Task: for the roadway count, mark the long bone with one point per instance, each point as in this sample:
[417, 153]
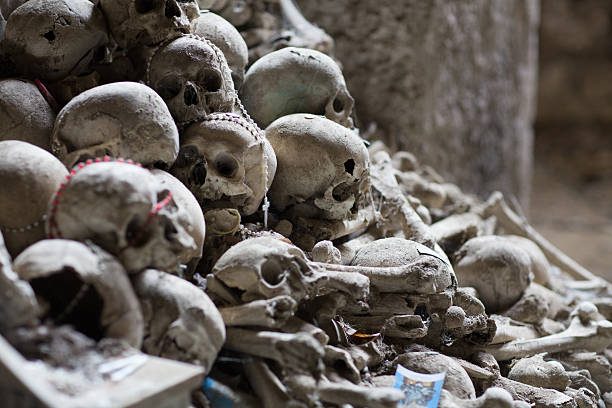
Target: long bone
[425, 276]
[395, 203]
[266, 384]
[270, 313]
[583, 333]
[298, 351]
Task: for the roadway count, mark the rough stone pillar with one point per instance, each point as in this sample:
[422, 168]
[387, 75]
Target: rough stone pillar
[453, 81]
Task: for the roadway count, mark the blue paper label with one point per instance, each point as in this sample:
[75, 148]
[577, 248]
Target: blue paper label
[421, 390]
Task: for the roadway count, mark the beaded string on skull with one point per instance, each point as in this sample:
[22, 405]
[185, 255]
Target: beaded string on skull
[54, 231]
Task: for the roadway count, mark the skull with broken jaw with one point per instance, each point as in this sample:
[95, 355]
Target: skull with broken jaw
[83, 286]
[192, 76]
[226, 163]
[147, 22]
[125, 210]
[323, 168]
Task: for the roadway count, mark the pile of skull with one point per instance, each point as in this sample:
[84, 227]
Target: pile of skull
[361, 260]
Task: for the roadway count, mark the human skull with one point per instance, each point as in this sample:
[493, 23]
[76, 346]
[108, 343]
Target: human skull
[24, 113]
[496, 267]
[123, 119]
[323, 167]
[81, 285]
[52, 39]
[267, 267]
[225, 36]
[147, 22]
[192, 76]
[125, 210]
[226, 162]
[296, 80]
[181, 322]
[29, 176]
[188, 203]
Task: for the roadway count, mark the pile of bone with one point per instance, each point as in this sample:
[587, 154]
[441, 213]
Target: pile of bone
[143, 207]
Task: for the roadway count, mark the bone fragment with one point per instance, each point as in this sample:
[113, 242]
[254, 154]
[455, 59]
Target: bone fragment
[358, 396]
[539, 373]
[270, 313]
[300, 351]
[336, 357]
[538, 397]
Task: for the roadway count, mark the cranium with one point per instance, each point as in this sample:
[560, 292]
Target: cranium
[24, 113]
[126, 211]
[181, 322]
[296, 80]
[52, 39]
[83, 286]
[189, 204]
[225, 36]
[226, 162]
[123, 119]
[147, 22]
[322, 167]
[29, 176]
[498, 268]
[192, 76]
[266, 267]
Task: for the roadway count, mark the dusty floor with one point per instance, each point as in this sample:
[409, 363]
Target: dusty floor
[572, 207]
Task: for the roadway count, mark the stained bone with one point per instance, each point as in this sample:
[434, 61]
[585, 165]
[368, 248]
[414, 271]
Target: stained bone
[270, 313]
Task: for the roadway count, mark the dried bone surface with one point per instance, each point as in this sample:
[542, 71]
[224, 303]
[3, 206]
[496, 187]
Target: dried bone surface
[324, 263]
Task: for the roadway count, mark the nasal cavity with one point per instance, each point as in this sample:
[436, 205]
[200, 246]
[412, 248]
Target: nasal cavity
[349, 166]
[191, 95]
[172, 9]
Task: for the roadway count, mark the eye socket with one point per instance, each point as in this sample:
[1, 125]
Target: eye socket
[226, 165]
[145, 6]
[272, 273]
[136, 233]
[338, 105]
[169, 87]
[209, 79]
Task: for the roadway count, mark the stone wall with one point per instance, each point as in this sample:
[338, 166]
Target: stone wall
[450, 80]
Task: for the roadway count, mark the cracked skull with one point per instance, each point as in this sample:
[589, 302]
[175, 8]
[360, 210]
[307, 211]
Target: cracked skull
[296, 80]
[181, 322]
[192, 76]
[83, 286]
[53, 39]
[226, 162]
[125, 210]
[323, 167]
[146, 22]
[122, 119]
[267, 267]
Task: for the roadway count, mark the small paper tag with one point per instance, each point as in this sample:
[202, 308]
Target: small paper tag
[421, 390]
